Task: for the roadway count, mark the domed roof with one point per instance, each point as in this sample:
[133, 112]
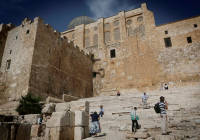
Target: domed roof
[79, 20]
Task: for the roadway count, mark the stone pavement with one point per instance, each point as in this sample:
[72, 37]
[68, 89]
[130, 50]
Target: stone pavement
[183, 114]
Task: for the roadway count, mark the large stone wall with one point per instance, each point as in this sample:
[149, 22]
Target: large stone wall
[128, 34]
[37, 60]
[17, 59]
[4, 28]
[59, 67]
[140, 52]
[181, 64]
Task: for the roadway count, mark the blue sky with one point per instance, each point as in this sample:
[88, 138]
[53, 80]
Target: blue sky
[58, 13]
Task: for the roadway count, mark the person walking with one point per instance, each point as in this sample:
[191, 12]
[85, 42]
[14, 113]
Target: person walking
[163, 114]
[144, 100]
[134, 118]
[166, 87]
[95, 127]
[101, 112]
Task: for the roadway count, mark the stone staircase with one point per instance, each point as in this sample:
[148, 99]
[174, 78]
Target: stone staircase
[183, 114]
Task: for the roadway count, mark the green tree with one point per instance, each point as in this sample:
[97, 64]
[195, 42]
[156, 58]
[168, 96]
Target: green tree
[29, 104]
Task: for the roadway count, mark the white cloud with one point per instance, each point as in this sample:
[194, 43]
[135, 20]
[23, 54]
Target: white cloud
[105, 8]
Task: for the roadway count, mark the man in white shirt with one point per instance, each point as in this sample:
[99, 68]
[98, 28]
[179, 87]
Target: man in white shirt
[144, 100]
[163, 113]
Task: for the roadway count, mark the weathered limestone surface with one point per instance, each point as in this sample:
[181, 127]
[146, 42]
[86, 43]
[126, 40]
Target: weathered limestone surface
[4, 28]
[15, 131]
[38, 60]
[59, 119]
[62, 107]
[78, 133]
[81, 119]
[31, 119]
[183, 113]
[141, 57]
[49, 108]
[166, 137]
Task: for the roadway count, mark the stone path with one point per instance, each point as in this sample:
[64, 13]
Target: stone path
[183, 114]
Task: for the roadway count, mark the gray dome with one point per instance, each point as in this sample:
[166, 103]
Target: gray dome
[79, 20]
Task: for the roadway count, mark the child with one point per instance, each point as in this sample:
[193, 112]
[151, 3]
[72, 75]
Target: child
[101, 112]
[134, 118]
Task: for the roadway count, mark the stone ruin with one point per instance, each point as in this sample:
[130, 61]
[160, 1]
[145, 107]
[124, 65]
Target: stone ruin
[61, 121]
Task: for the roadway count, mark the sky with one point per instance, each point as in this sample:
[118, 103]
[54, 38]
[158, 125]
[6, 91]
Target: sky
[58, 13]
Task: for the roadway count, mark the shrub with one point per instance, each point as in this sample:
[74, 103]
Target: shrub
[29, 104]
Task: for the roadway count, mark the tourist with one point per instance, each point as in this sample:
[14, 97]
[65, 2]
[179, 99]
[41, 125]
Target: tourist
[163, 114]
[39, 121]
[95, 126]
[118, 93]
[144, 100]
[166, 86]
[101, 112]
[134, 118]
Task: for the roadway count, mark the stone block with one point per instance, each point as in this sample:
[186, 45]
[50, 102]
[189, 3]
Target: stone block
[80, 105]
[59, 133]
[53, 100]
[72, 119]
[62, 107]
[59, 119]
[81, 118]
[138, 135]
[34, 130]
[86, 132]
[32, 118]
[166, 137]
[87, 107]
[49, 108]
[54, 133]
[23, 132]
[78, 133]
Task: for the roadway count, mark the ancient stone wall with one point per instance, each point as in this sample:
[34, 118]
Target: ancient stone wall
[17, 59]
[180, 60]
[4, 28]
[131, 50]
[126, 35]
[59, 67]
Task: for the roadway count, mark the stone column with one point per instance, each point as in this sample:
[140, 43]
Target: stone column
[123, 33]
[100, 33]
[79, 39]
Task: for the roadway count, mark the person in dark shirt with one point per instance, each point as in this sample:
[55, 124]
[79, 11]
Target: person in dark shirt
[95, 126]
[166, 86]
[95, 117]
[118, 93]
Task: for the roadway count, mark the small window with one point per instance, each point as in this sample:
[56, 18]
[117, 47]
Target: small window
[166, 32]
[140, 18]
[195, 25]
[168, 42]
[8, 64]
[128, 22]
[189, 39]
[16, 37]
[112, 53]
[28, 31]
[94, 74]
[10, 51]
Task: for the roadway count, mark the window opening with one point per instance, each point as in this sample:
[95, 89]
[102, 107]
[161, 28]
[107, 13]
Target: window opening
[112, 53]
[168, 42]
